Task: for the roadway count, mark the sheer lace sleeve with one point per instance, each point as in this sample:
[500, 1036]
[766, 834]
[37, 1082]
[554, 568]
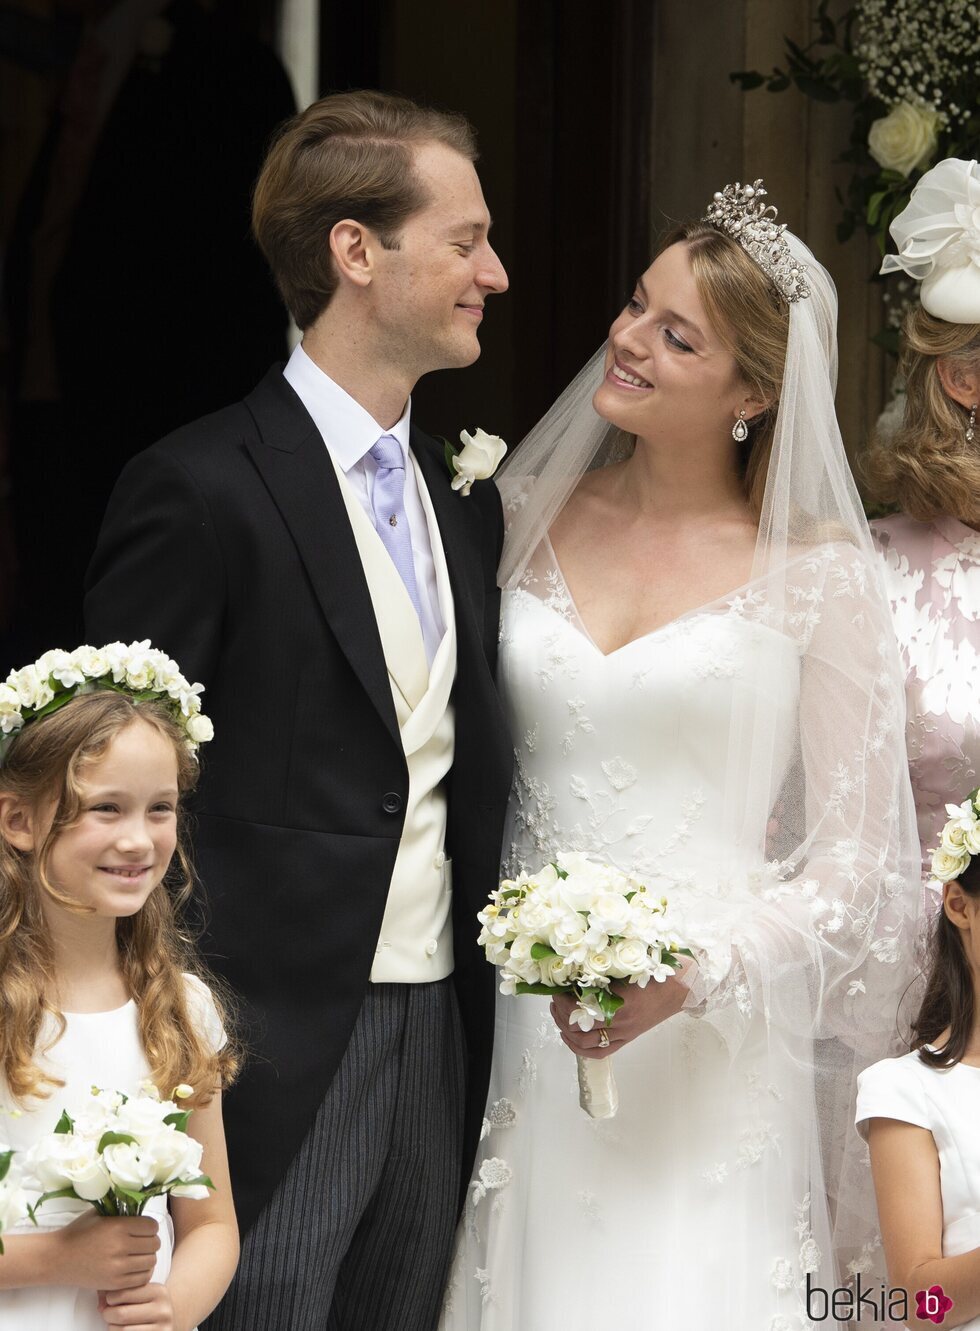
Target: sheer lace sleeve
[822, 944]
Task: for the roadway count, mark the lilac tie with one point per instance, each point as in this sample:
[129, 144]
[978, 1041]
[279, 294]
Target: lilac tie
[390, 519]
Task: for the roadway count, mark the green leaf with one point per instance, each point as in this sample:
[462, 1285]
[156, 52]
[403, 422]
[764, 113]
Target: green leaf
[130, 1197]
[65, 1125]
[50, 1197]
[609, 1002]
[545, 990]
[778, 83]
[684, 952]
[747, 79]
[202, 1180]
[874, 206]
[542, 952]
[817, 88]
[115, 1139]
[179, 1119]
[5, 1159]
[449, 453]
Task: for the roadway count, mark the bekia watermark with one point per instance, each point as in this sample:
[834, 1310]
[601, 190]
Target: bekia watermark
[874, 1303]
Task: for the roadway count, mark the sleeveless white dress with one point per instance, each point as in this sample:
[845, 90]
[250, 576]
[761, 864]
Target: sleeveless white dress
[96, 1049]
[701, 1204]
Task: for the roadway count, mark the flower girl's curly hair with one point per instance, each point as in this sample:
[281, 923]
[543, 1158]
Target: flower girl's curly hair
[45, 765]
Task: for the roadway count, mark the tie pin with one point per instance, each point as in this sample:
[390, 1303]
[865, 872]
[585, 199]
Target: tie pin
[393, 520]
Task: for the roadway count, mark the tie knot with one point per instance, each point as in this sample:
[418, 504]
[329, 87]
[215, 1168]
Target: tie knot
[387, 453]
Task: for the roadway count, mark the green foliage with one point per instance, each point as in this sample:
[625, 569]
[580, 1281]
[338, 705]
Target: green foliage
[828, 70]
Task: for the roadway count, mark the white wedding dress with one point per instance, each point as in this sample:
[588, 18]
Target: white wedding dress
[701, 1204]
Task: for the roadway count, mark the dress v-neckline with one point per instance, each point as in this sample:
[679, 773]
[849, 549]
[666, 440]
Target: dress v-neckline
[579, 625]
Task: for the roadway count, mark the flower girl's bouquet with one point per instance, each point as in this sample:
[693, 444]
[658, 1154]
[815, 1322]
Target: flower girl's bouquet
[13, 1203]
[119, 1152]
[577, 925]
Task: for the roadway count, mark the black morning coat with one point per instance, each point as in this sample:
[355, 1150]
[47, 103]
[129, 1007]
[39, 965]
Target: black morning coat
[228, 546]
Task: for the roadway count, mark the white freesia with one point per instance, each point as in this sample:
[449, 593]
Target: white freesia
[477, 460]
[905, 138]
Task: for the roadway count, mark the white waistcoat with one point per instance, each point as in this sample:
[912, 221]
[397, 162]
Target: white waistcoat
[416, 933]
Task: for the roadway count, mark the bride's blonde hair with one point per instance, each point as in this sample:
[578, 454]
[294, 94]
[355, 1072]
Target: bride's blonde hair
[45, 765]
[752, 321]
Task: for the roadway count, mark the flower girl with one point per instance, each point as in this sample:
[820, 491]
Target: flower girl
[920, 1112]
[99, 984]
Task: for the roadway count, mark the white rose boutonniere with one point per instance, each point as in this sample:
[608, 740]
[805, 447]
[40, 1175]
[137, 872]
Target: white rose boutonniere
[904, 138]
[477, 460]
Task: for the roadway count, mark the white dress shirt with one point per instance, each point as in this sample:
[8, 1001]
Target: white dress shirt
[349, 432]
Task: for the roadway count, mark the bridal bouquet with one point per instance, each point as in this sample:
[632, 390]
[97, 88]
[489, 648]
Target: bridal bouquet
[577, 925]
[13, 1204]
[120, 1152]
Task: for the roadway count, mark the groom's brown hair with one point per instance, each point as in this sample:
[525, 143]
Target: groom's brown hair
[348, 155]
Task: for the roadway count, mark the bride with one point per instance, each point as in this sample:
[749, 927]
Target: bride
[697, 662]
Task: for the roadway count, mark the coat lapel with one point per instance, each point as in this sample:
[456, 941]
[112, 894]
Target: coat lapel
[460, 542]
[295, 466]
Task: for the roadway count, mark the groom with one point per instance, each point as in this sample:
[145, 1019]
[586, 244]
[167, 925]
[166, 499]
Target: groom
[302, 554]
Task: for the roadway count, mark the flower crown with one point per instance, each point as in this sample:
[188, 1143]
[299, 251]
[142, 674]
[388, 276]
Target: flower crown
[140, 670]
[959, 840]
[738, 210]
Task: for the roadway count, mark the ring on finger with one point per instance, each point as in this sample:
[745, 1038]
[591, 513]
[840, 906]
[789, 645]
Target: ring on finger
[603, 1038]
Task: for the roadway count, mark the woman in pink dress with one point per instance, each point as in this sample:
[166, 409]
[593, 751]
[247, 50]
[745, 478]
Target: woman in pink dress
[930, 471]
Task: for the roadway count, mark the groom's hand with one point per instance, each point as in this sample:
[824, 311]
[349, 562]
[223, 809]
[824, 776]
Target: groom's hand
[642, 1010]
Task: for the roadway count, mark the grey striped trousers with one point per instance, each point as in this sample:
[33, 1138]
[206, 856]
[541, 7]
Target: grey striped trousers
[358, 1236]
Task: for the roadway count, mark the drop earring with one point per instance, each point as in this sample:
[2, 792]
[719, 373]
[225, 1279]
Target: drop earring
[970, 429]
[740, 431]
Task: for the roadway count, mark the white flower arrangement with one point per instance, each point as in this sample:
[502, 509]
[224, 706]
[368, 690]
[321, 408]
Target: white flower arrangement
[959, 840]
[577, 925]
[13, 1202]
[118, 1153]
[477, 460]
[58, 676]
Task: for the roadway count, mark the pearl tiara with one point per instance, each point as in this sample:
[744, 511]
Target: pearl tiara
[738, 210]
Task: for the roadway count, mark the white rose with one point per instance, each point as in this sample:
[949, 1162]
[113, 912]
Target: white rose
[611, 913]
[555, 971]
[630, 957]
[600, 961]
[128, 1167]
[971, 839]
[905, 138]
[13, 1202]
[477, 460]
[947, 865]
[142, 1117]
[199, 729]
[173, 1155]
[64, 1160]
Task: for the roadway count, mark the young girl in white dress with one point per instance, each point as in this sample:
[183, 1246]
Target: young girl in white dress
[100, 986]
[919, 1113]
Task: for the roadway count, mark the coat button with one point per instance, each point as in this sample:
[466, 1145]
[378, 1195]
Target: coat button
[392, 802]
[431, 948]
[440, 859]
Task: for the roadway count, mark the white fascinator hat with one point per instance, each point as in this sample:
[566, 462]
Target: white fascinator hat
[938, 239]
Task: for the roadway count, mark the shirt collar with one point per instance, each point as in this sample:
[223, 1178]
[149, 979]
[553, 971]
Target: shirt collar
[348, 429]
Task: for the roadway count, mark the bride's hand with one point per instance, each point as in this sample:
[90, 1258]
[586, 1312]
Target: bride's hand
[642, 1010]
